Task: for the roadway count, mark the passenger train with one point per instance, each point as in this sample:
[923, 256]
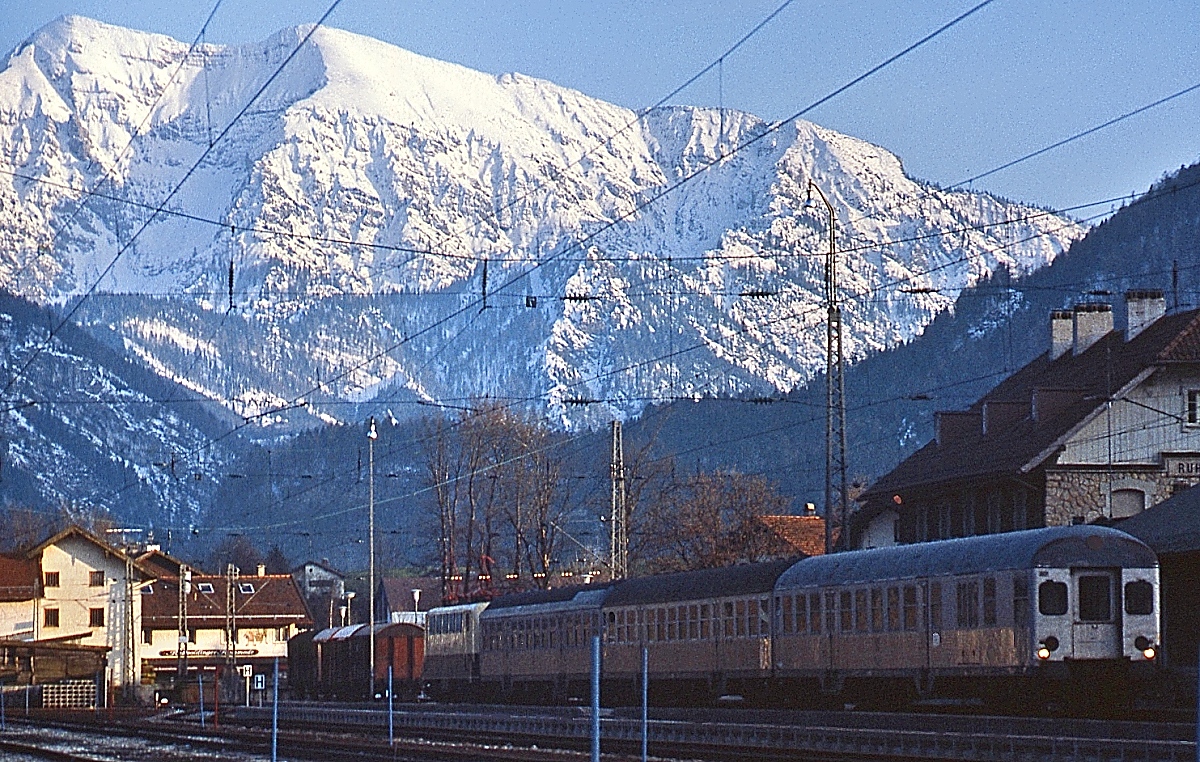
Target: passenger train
[1035, 617]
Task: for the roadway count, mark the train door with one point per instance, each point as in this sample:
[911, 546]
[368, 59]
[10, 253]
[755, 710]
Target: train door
[1096, 629]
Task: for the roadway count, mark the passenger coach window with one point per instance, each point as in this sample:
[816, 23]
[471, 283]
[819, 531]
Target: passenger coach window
[876, 609]
[893, 606]
[1052, 598]
[783, 610]
[860, 610]
[1139, 597]
[968, 604]
[1095, 598]
[830, 612]
[935, 605]
[847, 611]
[801, 613]
[1020, 601]
[910, 607]
[989, 601]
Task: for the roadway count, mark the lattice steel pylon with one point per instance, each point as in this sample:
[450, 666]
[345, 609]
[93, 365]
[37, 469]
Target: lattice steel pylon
[231, 577]
[181, 647]
[836, 497]
[129, 664]
[619, 521]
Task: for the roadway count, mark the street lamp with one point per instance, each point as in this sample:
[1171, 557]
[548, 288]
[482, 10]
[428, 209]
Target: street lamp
[372, 435]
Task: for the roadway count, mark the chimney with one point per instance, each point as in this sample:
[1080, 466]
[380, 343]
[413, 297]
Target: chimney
[1093, 322]
[262, 570]
[1061, 333]
[1141, 309]
[810, 509]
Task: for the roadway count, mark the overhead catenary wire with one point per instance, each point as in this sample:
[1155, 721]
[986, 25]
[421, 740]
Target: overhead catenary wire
[880, 291]
[167, 199]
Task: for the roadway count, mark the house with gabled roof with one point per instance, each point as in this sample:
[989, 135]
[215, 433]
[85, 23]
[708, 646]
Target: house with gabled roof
[259, 611]
[1101, 426]
[77, 590]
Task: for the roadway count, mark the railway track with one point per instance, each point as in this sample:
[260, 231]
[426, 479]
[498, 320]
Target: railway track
[538, 734]
[164, 739]
[722, 735]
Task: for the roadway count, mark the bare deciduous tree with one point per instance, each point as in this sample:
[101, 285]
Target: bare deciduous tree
[497, 500]
[710, 520]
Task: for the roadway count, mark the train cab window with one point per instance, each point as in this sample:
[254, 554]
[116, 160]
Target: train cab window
[989, 601]
[1052, 598]
[728, 619]
[740, 618]
[752, 618]
[1020, 601]
[860, 610]
[783, 611]
[847, 611]
[911, 607]
[876, 609]
[693, 622]
[893, 609]
[935, 605]
[801, 613]
[1095, 598]
[1139, 598]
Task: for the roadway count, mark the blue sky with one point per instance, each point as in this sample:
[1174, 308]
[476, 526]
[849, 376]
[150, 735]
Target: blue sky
[1017, 76]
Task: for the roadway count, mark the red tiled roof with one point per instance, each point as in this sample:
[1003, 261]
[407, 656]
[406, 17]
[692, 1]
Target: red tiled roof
[1018, 441]
[18, 579]
[275, 602]
[805, 534]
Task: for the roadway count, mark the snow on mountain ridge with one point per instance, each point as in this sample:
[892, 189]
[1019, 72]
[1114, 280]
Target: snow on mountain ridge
[358, 140]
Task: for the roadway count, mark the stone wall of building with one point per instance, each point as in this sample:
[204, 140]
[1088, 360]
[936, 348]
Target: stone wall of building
[1080, 495]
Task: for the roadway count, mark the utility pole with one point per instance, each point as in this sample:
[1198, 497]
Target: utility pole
[231, 576]
[128, 652]
[372, 435]
[619, 546]
[181, 644]
[836, 499]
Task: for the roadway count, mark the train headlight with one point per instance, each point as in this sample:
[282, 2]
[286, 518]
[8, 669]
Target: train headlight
[1144, 644]
[1043, 653]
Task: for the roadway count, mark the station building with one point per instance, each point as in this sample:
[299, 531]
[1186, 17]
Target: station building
[1103, 425]
[233, 620]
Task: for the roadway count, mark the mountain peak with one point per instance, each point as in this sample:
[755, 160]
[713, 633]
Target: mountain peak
[370, 188]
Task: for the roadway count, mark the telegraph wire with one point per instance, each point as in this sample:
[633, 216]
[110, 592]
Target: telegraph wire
[879, 291]
[187, 175]
[137, 133]
[1077, 136]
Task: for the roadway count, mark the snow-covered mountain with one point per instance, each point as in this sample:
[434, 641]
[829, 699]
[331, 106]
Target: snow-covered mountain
[372, 192]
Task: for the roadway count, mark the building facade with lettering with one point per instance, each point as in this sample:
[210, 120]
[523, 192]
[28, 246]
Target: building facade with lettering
[1102, 426]
[228, 620]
